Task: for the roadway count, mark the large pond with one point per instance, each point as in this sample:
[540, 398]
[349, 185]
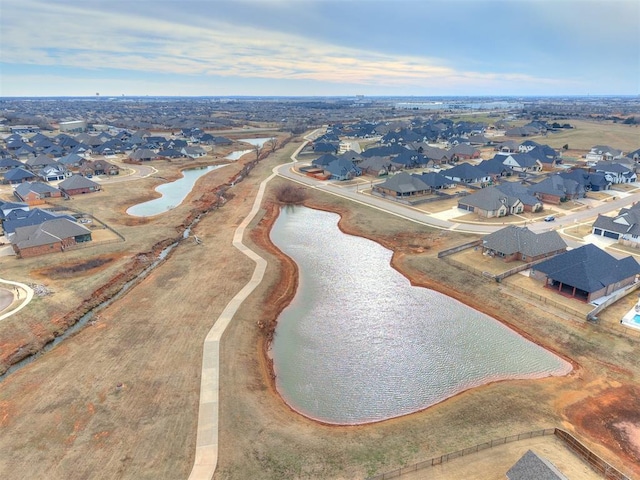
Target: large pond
[173, 193]
[359, 344]
[256, 142]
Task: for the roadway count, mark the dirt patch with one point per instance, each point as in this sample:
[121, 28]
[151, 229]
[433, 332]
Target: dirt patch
[83, 267]
[613, 419]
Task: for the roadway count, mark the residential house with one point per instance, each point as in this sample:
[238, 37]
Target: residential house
[143, 155]
[547, 156]
[463, 151]
[22, 218]
[41, 161]
[519, 243]
[325, 147]
[594, 182]
[73, 160]
[530, 202]
[439, 156]
[491, 202]
[603, 152]
[170, 153]
[402, 185]
[52, 173]
[521, 162]
[7, 207]
[436, 181]
[194, 151]
[35, 193]
[635, 155]
[7, 164]
[467, 173]
[615, 172]
[376, 166]
[343, 169]
[48, 237]
[77, 185]
[99, 167]
[556, 189]
[323, 160]
[510, 146]
[586, 273]
[18, 175]
[495, 168]
[624, 226]
[531, 466]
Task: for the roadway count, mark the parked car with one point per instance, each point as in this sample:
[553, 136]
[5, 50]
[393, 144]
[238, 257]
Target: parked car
[549, 218]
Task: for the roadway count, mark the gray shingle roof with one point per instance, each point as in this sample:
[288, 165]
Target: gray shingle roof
[405, 183]
[513, 239]
[77, 181]
[588, 268]
[47, 232]
[489, 199]
[532, 467]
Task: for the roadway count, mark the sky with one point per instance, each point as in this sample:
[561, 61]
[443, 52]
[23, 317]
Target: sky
[319, 47]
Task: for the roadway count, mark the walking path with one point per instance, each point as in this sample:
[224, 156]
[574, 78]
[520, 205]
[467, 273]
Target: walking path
[16, 287]
[206, 458]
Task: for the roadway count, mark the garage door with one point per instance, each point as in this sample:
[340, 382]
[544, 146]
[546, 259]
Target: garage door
[597, 231]
[611, 235]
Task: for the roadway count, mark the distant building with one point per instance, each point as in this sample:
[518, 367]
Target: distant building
[73, 126]
[22, 129]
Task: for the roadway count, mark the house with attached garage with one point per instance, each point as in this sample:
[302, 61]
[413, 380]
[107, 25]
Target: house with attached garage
[625, 226]
[521, 162]
[77, 184]
[18, 175]
[586, 273]
[21, 218]
[615, 172]
[343, 169]
[603, 152]
[593, 182]
[530, 202]
[467, 173]
[556, 189]
[48, 237]
[491, 202]
[519, 243]
[402, 185]
[35, 193]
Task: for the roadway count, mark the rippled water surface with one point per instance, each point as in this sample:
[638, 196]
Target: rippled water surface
[173, 193]
[359, 344]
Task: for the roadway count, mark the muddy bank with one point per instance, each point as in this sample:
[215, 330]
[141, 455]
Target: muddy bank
[208, 200]
[401, 245]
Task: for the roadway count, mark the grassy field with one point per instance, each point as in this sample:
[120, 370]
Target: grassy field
[587, 134]
[119, 399]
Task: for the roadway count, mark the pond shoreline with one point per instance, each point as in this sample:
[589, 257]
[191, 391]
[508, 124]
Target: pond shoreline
[286, 287]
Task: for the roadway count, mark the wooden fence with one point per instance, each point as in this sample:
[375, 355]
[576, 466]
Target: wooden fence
[580, 316]
[459, 248]
[596, 463]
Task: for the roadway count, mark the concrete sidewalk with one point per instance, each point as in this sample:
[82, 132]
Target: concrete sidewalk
[206, 458]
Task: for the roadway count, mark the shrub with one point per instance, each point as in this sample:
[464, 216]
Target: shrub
[290, 194]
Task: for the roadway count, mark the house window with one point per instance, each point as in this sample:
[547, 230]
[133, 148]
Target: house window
[524, 257]
[634, 237]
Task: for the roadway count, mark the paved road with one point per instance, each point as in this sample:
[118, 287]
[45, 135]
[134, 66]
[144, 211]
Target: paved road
[418, 216]
[21, 291]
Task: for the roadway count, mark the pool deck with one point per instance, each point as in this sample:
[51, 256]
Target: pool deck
[629, 319]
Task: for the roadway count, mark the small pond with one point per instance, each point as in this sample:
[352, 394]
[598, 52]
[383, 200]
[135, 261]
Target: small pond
[359, 344]
[257, 142]
[173, 193]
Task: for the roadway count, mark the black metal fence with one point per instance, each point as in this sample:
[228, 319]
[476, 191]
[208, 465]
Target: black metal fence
[599, 465]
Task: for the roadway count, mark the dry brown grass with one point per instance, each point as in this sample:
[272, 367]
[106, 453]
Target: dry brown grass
[66, 416]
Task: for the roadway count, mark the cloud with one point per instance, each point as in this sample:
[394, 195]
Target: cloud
[76, 35]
